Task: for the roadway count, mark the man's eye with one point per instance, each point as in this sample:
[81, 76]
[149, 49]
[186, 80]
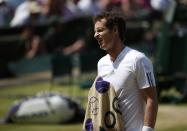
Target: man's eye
[100, 30]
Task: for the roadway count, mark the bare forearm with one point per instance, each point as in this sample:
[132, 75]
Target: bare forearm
[151, 113]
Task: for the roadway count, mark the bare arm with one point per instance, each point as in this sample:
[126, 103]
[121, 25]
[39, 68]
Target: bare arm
[75, 47]
[150, 97]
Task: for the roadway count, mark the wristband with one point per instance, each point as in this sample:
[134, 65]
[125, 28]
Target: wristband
[146, 128]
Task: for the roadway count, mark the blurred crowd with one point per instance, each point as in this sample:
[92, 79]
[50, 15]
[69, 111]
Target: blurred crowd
[42, 11]
[39, 12]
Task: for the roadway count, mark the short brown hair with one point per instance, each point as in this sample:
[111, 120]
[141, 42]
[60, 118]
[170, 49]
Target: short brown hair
[113, 19]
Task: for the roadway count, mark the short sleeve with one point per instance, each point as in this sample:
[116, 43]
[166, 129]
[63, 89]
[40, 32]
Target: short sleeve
[144, 72]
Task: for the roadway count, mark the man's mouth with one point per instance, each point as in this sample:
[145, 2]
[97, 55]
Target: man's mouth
[100, 41]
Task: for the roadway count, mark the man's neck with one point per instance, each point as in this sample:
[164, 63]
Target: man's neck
[116, 51]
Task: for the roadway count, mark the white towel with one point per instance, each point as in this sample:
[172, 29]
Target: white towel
[102, 113]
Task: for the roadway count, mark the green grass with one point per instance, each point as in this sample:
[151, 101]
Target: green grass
[170, 117]
[75, 127]
[17, 127]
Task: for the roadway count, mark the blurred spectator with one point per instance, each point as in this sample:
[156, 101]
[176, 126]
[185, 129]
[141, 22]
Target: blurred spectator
[73, 10]
[161, 5]
[109, 5]
[52, 9]
[15, 3]
[21, 13]
[32, 42]
[93, 7]
[65, 45]
[184, 2]
[60, 10]
[6, 13]
[27, 12]
[136, 9]
[105, 4]
[35, 15]
[166, 7]
[90, 7]
[57, 40]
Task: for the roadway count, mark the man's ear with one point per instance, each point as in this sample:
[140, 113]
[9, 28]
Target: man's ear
[115, 28]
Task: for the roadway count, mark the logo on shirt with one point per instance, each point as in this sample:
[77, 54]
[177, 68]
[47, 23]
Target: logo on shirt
[101, 85]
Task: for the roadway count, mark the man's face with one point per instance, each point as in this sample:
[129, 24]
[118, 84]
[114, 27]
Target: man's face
[103, 35]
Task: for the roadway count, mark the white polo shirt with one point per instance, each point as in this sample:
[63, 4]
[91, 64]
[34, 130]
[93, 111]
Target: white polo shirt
[130, 72]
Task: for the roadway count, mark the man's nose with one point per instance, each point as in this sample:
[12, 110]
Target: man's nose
[96, 35]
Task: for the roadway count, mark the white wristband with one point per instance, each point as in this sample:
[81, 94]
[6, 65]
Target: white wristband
[146, 128]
